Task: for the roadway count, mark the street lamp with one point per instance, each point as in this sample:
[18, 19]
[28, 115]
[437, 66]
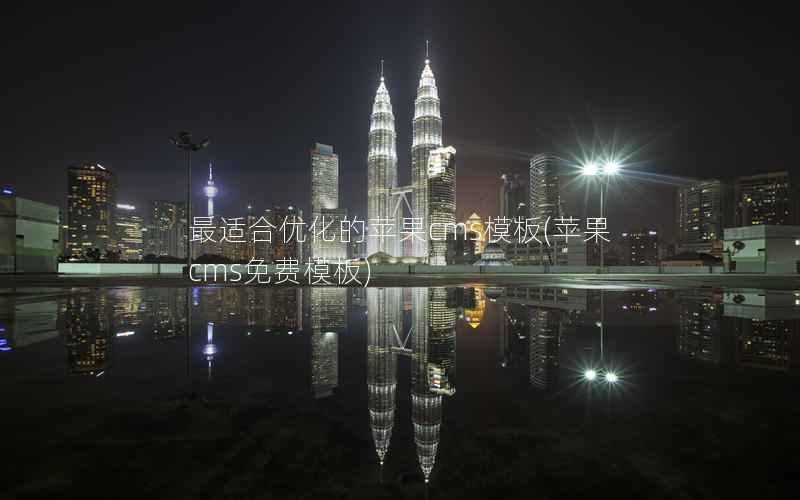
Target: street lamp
[608, 169]
[184, 143]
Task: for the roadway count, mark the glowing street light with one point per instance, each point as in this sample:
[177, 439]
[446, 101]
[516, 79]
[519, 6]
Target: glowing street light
[590, 375]
[612, 378]
[610, 168]
[590, 168]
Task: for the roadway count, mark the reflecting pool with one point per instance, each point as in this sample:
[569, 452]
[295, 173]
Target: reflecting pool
[451, 392]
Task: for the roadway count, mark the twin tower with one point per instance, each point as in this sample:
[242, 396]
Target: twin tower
[385, 198]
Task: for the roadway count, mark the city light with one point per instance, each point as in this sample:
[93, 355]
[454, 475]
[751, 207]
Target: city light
[590, 375]
[612, 378]
[611, 168]
[590, 168]
[126, 334]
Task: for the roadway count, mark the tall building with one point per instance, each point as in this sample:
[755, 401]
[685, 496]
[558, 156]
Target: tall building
[764, 199]
[91, 192]
[210, 190]
[426, 136]
[441, 202]
[544, 206]
[382, 169]
[475, 224]
[513, 199]
[324, 178]
[641, 248]
[326, 216]
[168, 230]
[703, 210]
[545, 195]
[288, 236]
[128, 225]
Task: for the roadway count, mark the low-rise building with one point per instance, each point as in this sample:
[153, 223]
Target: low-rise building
[762, 249]
[29, 235]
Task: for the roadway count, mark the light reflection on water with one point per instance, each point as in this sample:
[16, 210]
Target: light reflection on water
[417, 353]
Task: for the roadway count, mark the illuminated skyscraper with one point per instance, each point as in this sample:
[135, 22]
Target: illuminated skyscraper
[127, 232]
[381, 168]
[441, 202]
[513, 201]
[545, 197]
[210, 190]
[765, 199]
[703, 210]
[326, 216]
[324, 178]
[383, 320]
[91, 194]
[427, 136]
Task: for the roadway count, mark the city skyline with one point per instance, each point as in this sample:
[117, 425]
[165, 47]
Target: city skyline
[490, 141]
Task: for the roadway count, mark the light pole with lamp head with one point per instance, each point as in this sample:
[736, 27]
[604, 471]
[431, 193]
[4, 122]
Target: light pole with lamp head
[608, 169]
[185, 144]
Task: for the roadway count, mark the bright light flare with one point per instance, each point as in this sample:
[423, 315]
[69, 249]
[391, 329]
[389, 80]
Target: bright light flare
[612, 378]
[610, 168]
[590, 168]
[590, 375]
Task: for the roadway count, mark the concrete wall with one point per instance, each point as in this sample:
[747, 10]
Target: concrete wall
[111, 268]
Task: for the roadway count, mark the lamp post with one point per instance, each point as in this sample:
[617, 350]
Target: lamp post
[185, 144]
[608, 169]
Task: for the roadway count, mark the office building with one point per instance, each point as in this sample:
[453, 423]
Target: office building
[441, 202]
[544, 188]
[641, 248]
[703, 210]
[128, 225]
[513, 198]
[91, 192]
[326, 217]
[765, 199]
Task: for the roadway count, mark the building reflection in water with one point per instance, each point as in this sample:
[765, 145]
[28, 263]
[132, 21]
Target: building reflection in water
[328, 311]
[700, 326]
[87, 333]
[432, 369]
[209, 349]
[169, 314]
[766, 326]
[384, 325]
[550, 311]
[27, 323]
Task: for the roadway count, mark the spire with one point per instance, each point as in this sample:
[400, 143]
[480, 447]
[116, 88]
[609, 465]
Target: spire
[427, 52]
[381, 69]
[210, 173]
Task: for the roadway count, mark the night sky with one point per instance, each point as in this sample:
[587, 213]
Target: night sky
[680, 92]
